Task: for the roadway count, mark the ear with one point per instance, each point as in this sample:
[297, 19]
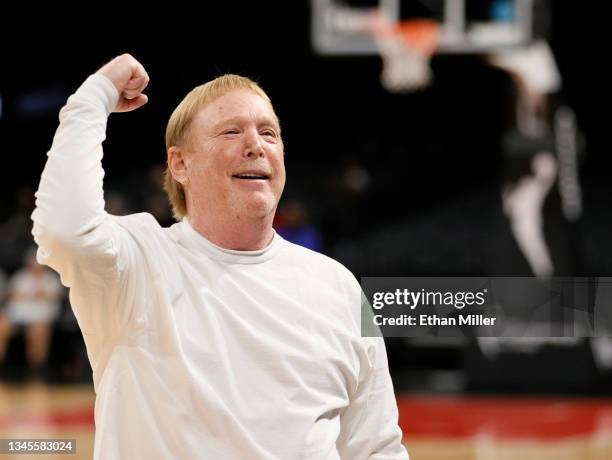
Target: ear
[177, 164]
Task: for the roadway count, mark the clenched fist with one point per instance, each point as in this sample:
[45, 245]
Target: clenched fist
[130, 78]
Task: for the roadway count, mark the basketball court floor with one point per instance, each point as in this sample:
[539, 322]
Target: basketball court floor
[435, 427]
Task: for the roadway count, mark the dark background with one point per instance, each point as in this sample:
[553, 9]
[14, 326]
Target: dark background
[433, 157]
[424, 151]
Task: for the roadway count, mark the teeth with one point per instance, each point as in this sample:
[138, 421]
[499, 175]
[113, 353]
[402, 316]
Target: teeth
[250, 176]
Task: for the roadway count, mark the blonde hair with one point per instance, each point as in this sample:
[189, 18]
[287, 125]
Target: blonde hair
[180, 121]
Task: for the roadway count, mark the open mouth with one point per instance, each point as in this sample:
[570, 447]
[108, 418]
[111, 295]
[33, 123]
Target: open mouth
[252, 176]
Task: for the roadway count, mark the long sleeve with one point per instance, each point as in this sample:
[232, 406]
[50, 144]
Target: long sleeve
[76, 237]
[70, 199]
[369, 426]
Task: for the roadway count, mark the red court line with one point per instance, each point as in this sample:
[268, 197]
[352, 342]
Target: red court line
[82, 416]
[503, 417]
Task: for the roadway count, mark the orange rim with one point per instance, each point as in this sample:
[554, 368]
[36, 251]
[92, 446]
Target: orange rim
[422, 35]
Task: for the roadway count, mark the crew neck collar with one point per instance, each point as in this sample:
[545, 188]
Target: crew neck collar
[195, 240]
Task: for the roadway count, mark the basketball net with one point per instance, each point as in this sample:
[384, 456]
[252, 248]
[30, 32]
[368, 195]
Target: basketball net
[406, 48]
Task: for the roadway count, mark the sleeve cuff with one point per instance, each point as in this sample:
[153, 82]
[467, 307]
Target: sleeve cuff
[100, 91]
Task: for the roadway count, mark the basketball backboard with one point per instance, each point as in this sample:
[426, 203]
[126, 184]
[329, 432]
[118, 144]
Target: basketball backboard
[466, 26]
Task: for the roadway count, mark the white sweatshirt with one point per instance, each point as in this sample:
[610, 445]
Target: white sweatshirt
[200, 352]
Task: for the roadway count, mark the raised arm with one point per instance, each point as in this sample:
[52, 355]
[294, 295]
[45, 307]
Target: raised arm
[74, 234]
[70, 196]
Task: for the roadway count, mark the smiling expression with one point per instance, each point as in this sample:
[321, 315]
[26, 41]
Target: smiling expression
[235, 161]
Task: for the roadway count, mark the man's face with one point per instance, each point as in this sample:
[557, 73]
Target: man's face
[235, 161]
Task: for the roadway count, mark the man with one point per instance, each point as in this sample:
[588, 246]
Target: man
[214, 338]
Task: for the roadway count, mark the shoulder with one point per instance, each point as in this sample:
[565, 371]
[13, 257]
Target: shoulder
[321, 266]
[305, 255]
[141, 220]
[340, 289]
[144, 234]
[143, 225]
[148, 245]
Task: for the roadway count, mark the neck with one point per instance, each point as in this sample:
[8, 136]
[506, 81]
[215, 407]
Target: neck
[238, 233]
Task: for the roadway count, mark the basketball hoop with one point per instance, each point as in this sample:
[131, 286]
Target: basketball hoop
[406, 48]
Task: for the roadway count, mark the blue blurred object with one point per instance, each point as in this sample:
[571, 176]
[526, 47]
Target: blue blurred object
[40, 102]
[307, 236]
[502, 10]
[292, 223]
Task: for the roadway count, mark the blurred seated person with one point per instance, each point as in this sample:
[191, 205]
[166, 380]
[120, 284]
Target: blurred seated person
[33, 301]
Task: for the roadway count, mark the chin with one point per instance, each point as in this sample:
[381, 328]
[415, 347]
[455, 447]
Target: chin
[258, 207]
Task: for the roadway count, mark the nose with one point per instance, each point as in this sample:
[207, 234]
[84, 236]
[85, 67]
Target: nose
[253, 147]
